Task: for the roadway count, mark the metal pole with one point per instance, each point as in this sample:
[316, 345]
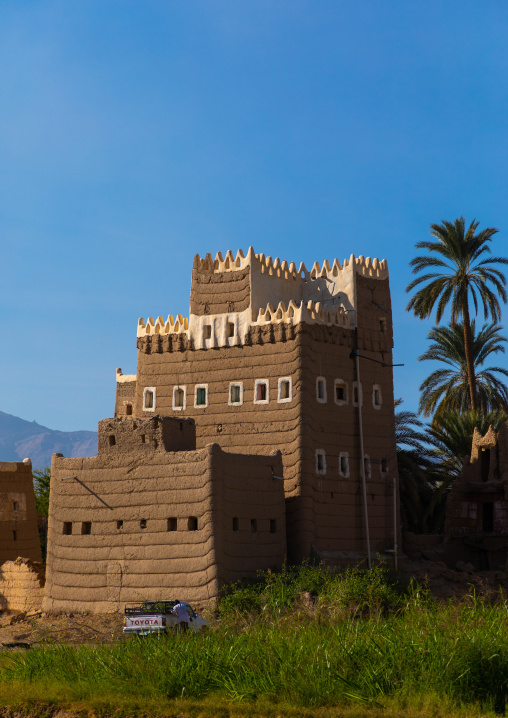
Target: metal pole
[395, 522]
[362, 455]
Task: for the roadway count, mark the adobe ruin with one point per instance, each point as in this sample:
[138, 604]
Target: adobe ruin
[284, 378]
[476, 527]
[19, 535]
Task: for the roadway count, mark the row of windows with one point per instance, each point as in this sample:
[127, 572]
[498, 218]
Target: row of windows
[235, 397]
[344, 464]
[262, 394]
[341, 392]
[171, 525]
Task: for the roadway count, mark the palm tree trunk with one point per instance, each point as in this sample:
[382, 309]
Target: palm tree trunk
[468, 349]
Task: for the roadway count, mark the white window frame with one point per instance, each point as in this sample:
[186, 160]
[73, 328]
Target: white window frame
[322, 453]
[279, 387]
[256, 384]
[344, 474]
[375, 388]
[341, 382]
[235, 403]
[145, 391]
[200, 386]
[183, 387]
[324, 399]
[360, 393]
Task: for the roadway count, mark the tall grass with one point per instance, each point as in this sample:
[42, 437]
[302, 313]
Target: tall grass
[364, 638]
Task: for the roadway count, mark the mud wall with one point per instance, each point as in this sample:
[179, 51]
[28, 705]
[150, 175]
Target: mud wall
[21, 585]
[19, 535]
[124, 527]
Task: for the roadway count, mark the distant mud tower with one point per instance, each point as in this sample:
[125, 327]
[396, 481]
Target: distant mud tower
[476, 527]
[267, 360]
[152, 517]
[19, 535]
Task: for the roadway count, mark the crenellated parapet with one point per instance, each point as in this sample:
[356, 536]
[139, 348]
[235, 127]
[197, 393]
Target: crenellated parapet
[163, 326]
[309, 312]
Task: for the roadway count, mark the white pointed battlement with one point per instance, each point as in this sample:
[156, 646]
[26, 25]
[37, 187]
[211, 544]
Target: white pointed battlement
[309, 312]
[161, 326]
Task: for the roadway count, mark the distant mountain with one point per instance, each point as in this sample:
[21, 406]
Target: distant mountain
[20, 439]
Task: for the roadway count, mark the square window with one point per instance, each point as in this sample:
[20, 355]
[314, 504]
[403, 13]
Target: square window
[382, 325]
[128, 409]
[86, 528]
[344, 464]
[149, 399]
[208, 331]
[172, 524]
[285, 393]
[357, 393]
[179, 398]
[15, 506]
[119, 524]
[67, 528]
[235, 394]
[231, 329]
[192, 523]
[376, 397]
[384, 466]
[201, 398]
[341, 392]
[143, 524]
[261, 391]
[321, 389]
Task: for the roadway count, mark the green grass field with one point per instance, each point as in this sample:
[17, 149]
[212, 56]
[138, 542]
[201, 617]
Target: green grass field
[300, 643]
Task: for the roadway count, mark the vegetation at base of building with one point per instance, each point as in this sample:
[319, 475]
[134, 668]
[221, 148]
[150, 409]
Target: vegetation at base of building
[360, 640]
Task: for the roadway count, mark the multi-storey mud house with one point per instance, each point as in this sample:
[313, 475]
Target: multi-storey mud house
[18, 518]
[271, 359]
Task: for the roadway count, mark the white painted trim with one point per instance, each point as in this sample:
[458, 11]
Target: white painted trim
[200, 386]
[375, 388]
[341, 382]
[321, 399]
[145, 391]
[256, 383]
[321, 452]
[235, 403]
[345, 455]
[184, 389]
[279, 386]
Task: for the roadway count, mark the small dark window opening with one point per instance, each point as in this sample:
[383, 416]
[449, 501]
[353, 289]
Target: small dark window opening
[192, 523]
[253, 525]
[119, 524]
[320, 462]
[181, 426]
[331, 494]
[128, 409]
[15, 506]
[488, 517]
[143, 524]
[112, 440]
[231, 329]
[208, 331]
[355, 394]
[382, 325]
[339, 392]
[143, 438]
[15, 535]
[86, 528]
[273, 526]
[321, 389]
[235, 523]
[284, 389]
[261, 392]
[343, 465]
[485, 464]
[384, 466]
[67, 528]
[172, 524]
[377, 397]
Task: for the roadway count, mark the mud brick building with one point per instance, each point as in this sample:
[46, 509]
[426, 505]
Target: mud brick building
[476, 528]
[285, 377]
[19, 535]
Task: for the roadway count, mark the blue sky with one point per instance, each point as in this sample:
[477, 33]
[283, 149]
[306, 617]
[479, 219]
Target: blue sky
[136, 134]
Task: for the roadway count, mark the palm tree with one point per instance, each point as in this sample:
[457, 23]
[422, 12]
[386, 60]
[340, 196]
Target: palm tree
[452, 436]
[448, 388]
[456, 270]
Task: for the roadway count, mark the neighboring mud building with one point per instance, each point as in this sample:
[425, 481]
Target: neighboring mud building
[272, 359]
[19, 535]
[476, 528]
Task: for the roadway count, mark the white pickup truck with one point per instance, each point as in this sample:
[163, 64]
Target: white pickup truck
[147, 617]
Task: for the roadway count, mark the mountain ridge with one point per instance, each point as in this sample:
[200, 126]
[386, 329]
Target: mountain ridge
[21, 439]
